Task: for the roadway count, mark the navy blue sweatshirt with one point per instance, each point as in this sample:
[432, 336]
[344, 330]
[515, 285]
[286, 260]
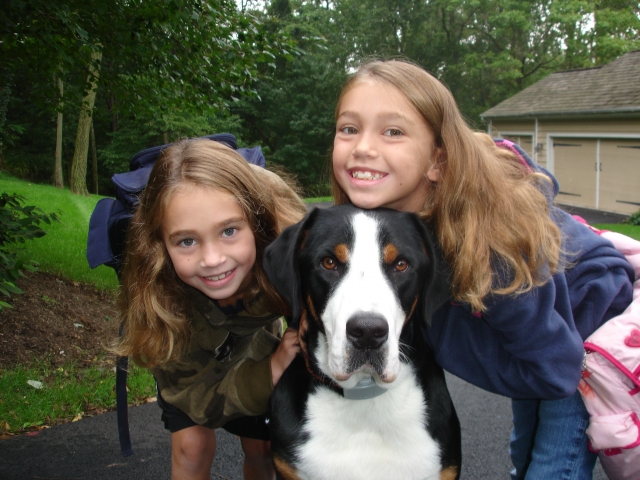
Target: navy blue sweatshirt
[531, 345]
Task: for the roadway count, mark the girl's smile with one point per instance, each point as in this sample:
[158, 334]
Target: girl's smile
[366, 175]
[219, 281]
[383, 152]
[220, 277]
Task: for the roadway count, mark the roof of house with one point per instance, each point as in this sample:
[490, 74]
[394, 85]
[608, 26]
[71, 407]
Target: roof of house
[610, 89]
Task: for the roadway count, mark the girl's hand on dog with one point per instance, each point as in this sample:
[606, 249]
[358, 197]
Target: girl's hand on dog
[285, 353]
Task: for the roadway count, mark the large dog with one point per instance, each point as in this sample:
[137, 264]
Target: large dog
[365, 399]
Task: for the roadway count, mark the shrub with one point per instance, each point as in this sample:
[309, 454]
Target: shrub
[633, 219]
[17, 225]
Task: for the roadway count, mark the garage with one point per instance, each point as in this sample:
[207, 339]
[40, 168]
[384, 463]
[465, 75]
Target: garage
[598, 173]
[583, 126]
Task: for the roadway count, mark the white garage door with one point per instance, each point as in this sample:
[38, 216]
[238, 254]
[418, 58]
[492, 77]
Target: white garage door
[615, 188]
[575, 168]
[620, 175]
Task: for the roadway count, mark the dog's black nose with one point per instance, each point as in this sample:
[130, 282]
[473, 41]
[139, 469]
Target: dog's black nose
[367, 331]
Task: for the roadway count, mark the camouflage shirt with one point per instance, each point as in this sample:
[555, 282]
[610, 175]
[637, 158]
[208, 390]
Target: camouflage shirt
[226, 372]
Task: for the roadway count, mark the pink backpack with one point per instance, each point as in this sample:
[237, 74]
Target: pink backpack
[610, 384]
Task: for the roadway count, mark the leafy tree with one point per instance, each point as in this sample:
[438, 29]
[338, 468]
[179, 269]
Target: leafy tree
[195, 56]
[292, 117]
[140, 132]
[488, 50]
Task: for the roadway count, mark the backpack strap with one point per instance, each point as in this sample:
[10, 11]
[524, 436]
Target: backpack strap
[122, 363]
[528, 163]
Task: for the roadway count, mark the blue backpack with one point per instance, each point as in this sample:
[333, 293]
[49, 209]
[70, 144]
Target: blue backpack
[108, 232]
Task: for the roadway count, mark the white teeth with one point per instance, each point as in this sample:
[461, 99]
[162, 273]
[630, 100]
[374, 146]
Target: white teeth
[219, 277]
[360, 175]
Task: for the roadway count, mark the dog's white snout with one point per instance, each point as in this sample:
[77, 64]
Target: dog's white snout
[367, 331]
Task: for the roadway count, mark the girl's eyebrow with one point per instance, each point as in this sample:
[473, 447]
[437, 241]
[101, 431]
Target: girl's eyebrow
[225, 224]
[230, 221]
[348, 113]
[385, 116]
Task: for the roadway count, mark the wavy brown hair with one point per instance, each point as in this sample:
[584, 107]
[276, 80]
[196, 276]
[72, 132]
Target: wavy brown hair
[490, 212]
[153, 302]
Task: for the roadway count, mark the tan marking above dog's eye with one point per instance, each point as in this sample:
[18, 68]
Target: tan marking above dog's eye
[401, 266]
[390, 253]
[329, 263]
[342, 252]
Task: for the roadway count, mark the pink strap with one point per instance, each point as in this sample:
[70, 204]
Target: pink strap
[509, 145]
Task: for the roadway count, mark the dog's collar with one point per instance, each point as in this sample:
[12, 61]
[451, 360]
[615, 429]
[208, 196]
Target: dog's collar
[364, 389]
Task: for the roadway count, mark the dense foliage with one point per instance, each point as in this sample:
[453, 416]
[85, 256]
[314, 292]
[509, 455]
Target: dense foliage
[269, 72]
[18, 224]
[634, 219]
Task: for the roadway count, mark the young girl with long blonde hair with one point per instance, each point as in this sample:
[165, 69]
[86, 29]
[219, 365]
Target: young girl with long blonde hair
[196, 305]
[529, 282]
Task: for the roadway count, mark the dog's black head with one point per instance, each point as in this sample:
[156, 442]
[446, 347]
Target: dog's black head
[355, 278]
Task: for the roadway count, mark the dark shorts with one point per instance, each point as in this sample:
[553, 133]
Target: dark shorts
[249, 427]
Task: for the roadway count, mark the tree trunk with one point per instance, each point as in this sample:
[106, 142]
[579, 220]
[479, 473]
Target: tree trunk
[111, 106]
[57, 167]
[94, 160]
[79, 163]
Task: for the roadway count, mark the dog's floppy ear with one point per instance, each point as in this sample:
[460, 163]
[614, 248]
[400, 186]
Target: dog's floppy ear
[280, 263]
[437, 288]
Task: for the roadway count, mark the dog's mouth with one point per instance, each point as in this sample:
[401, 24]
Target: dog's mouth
[367, 362]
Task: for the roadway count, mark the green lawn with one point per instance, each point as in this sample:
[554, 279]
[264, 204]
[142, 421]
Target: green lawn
[68, 392]
[40, 394]
[62, 251]
[632, 231]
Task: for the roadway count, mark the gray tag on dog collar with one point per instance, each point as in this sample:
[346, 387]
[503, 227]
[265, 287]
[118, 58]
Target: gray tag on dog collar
[364, 389]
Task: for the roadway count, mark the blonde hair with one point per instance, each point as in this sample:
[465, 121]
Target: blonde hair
[490, 212]
[153, 301]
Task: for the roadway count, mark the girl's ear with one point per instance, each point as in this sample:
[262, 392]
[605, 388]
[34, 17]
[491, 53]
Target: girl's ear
[433, 172]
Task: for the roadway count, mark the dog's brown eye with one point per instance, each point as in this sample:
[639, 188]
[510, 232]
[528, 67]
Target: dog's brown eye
[401, 266]
[329, 263]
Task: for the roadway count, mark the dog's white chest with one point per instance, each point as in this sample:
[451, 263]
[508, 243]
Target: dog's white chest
[378, 438]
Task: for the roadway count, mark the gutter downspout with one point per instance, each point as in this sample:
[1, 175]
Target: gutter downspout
[535, 142]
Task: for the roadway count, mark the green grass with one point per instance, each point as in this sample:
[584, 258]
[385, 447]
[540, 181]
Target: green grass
[67, 393]
[632, 231]
[62, 251]
[318, 200]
